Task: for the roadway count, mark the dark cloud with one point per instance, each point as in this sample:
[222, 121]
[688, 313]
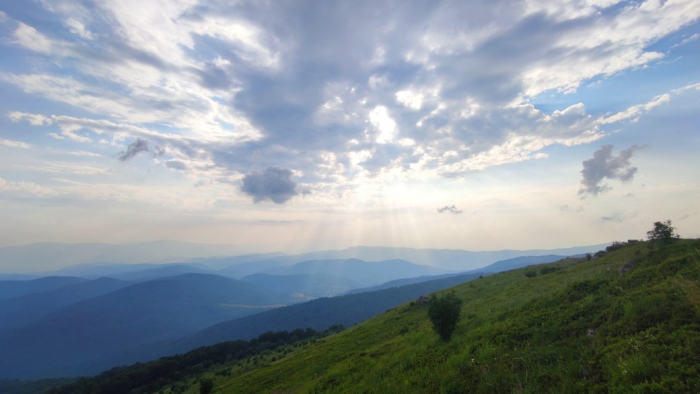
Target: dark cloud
[275, 184]
[616, 217]
[604, 165]
[176, 165]
[136, 147]
[450, 209]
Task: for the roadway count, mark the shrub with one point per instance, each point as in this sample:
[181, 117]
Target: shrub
[444, 314]
[531, 274]
[206, 386]
[548, 270]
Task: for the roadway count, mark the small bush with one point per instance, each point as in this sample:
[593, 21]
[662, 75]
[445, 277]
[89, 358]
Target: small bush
[206, 386]
[548, 270]
[444, 314]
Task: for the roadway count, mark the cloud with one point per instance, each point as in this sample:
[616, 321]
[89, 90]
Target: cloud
[275, 184]
[616, 217]
[70, 168]
[83, 154]
[136, 147]
[635, 111]
[432, 89]
[450, 209]
[604, 165]
[14, 144]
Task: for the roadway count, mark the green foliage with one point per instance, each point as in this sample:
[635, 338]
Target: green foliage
[548, 270]
[530, 274]
[155, 375]
[206, 386]
[444, 314]
[662, 231]
[585, 329]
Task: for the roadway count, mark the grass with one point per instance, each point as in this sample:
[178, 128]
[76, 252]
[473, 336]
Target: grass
[576, 327]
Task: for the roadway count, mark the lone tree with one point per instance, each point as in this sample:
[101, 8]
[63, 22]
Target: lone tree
[662, 231]
[444, 314]
[206, 386]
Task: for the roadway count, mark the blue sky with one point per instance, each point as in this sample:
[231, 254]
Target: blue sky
[294, 126]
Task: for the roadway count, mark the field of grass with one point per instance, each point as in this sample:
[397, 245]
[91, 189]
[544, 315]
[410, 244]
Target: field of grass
[578, 326]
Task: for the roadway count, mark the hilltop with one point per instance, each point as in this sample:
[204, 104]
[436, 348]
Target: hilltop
[577, 326]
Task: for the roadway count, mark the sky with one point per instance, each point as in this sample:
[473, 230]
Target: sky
[306, 125]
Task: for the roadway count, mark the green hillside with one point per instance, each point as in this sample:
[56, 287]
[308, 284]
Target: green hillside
[578, 326]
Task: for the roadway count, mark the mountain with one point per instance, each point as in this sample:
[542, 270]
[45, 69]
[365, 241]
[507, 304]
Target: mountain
[402, 282]
[460, 260]
[499, 266]
[319, 314]
[627, 322]
[42, 257]
[20, 311]
[302, 285]
[362, 272]
[69, 340]
[16, 288]
[162, 271]
[519, 262]
[218, 263]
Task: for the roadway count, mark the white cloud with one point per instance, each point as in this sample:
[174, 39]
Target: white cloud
[219, 89]
[635, 111]
[386, 126]
[77, 28]
[81, 153]
[14, 144]
[22, 189]
[70, 168]
[410, 99]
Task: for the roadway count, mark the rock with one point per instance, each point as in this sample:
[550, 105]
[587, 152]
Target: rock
[626, 267]
[423, 300]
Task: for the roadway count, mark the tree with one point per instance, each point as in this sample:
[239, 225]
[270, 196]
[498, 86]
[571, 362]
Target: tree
[444, 314]
[662, 231]
[206, 386]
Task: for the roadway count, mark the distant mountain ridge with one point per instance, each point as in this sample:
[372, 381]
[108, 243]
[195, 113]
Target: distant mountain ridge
[17, 288]
[77, 259]
[318, 314]
[447, 259]
[360, 271]
[70, 338]
[19, 311]
[42, 257]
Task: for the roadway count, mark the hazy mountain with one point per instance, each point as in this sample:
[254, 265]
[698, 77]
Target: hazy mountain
[499, 266]
[317, 314]
[402, 282]
[303, 285]
[362, 272]
[519, 262]
[462, 260]
[161, 272]
[19, 311]
[244, 269]
[16, 288]
[41, 257]
[67, 341]
[228, 261]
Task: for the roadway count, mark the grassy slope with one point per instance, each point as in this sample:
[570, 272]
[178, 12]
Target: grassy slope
[521, 335]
